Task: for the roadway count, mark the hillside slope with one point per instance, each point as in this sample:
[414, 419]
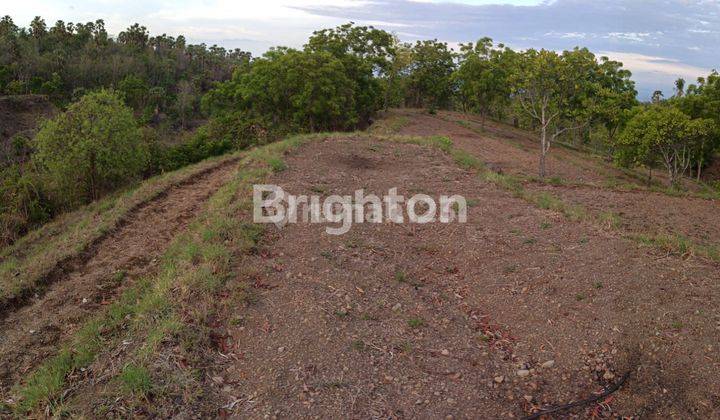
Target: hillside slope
[528, 305]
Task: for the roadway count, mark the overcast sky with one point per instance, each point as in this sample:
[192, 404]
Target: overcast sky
[659, 40]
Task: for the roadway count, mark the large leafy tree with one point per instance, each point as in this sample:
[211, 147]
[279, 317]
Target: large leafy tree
[429, 80]
[482, 78]
[614, 96]
[367, 54]
[91, 149]
[702, 101]
[292, 91]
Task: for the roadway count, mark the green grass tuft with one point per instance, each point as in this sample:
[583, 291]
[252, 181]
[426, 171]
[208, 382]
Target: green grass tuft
[135, 380]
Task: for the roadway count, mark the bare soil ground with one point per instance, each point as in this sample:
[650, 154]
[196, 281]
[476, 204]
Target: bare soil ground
[34, 331]
[514, 310]
[639, 212]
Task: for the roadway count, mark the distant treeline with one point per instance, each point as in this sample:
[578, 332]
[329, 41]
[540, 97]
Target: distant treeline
[153, 73]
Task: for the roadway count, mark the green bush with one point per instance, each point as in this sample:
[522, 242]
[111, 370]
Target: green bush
[22, 203]
[93, 148]
[296, 90]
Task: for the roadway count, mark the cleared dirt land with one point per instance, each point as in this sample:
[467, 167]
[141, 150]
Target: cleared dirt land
[516, 310]
[579, 178]
[513, 310]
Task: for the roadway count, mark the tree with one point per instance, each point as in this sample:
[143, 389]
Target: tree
[545, 91]
[664, 133]
[679, 87]
[291, 90]
[702, 102]
[657, 97]
[135, 36]
[134, 91]
[396, 74]
[429, 79]
[92, 148]
[366, 54]
[703, 138]
[614, 97]
[482, 76]
[185, 102]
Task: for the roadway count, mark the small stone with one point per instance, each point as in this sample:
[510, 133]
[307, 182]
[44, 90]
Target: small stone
[445, 352]
[396, 307]
[548, 364]
[528, 398]
[608, 376]
[281, 349]
[499, 379]
[523, 373]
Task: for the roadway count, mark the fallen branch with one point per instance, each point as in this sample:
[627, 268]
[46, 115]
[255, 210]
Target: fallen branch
[609, 390]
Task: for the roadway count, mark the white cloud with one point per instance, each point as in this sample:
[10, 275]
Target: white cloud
[567, 35]
[656, 72]
[628, 36]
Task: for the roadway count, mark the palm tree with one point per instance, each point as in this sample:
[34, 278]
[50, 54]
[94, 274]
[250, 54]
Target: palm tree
[680, 87]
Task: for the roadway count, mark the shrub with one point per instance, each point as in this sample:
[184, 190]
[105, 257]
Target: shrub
[92, 148]
[22, 203]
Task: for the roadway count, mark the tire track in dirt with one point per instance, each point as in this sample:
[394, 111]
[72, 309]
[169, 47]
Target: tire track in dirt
[34, 331]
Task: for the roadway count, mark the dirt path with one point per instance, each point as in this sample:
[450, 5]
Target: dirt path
[33, 332]
[515, 309]
[639, 212]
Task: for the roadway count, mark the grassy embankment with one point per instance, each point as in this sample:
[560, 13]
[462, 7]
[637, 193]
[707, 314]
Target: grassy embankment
[29, 263]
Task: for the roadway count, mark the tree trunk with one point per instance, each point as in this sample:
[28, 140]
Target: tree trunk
[543, 150]
[672, 175]
[699, 171]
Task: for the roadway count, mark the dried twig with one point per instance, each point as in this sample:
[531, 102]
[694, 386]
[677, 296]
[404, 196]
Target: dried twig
[609, 390]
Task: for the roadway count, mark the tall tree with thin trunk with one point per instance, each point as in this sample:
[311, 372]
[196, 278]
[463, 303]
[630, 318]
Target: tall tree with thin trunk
[544, 89]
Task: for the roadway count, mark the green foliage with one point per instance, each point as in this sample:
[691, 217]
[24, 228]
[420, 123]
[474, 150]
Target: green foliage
[483, 76]
[367, 54]
[429, 79]
[22, 202]
[567, 92]
[92, 148]
[332, 84]
[59, 60]
[296, 90]
[662, 133]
